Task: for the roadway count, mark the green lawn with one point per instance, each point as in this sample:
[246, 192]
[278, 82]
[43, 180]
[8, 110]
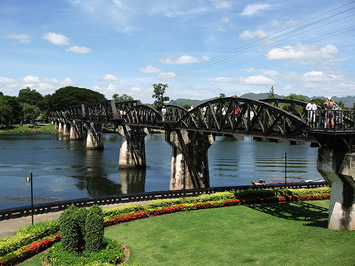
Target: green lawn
[23, 129]
[263, 234]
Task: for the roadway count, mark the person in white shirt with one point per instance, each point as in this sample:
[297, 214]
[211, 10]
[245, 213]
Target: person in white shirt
[311, 108]
[163, 112]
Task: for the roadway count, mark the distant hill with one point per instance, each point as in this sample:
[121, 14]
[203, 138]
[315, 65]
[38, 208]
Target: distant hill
[348, 101]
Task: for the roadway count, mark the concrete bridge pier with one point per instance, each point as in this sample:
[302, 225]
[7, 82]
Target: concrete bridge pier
[56, 126]
[94, 139]
[338, 169]
[66, 129]
[189, 162]
[132, 151]
[76, 130]
[60, 127]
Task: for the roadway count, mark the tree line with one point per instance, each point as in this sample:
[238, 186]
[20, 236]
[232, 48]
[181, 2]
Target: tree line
[31, 105]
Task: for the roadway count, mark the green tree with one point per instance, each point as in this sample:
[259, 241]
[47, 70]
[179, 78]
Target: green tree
[5, 111]
[341, 104]
[123, 98]
[30, 112]
[298, 97]
[16, 113]
[222, 95]
[271, 93]
[159, 90]
[31, 97]
[186, 106]
[66, 97]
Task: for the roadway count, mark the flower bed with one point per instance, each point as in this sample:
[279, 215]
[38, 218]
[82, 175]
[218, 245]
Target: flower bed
[28, 251]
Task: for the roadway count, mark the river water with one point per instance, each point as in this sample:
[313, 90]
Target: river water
[64, 169]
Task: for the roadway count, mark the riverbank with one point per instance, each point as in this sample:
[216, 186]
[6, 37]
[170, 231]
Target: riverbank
[29, 129]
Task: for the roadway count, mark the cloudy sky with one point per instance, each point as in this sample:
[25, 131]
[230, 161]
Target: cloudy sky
[200, 48]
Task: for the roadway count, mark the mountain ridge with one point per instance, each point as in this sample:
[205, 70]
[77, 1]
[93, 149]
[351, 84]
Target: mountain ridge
[348, 101]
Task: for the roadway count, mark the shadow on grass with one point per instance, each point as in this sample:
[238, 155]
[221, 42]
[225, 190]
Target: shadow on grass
[312, 215]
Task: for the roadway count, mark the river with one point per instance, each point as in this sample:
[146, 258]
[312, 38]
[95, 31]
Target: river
[64, 169]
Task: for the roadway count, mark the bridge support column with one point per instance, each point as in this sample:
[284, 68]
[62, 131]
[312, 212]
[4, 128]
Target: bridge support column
[76, 131]
[94, 139]
[338, 169]
[60, 127]
[189, 162]
[132, 151]
[66, 129]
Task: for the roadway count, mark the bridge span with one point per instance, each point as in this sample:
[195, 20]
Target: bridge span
[191, 133]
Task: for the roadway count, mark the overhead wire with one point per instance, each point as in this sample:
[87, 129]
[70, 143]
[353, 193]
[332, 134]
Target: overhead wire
[287, 34]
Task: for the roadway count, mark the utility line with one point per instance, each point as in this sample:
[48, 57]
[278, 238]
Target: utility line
[261, 42]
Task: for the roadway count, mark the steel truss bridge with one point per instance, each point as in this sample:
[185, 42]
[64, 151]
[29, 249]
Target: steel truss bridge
[272, 119]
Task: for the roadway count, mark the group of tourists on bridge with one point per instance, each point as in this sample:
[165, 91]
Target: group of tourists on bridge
[330, 116]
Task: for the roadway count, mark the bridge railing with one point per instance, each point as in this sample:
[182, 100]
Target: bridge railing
[332, 120]
[18, 212]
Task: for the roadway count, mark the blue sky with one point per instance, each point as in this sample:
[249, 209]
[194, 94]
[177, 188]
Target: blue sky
[200, 48]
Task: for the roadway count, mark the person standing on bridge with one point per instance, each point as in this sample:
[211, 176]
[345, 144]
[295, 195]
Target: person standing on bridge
[311, 108]
[163, 112]
[329, 104]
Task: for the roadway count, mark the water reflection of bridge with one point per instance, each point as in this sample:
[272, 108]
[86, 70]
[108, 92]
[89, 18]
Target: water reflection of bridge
[190, 134]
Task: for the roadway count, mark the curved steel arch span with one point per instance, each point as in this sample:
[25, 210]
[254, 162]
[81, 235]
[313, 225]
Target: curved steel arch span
[243, 116]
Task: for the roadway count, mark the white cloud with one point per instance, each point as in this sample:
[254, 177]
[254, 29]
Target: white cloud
[110, 77]
[56, 38]
[66, 82]
[253, 9]
[149, 69]
[251, 69]
[226, 19]
[271, 73]
[257, 80]
[31, 79]
[167, 75]
[21, 38]
[307, 54]
[219, 4]
[79, 49]
[184, 59]
[136, 89]
[319, 76]
[5, 80]
[226, 80]
[44, 86]
[252, 80]
[247, 35]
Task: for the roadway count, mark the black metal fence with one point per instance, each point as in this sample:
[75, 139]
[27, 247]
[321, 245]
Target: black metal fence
[332, 120]
[18, 212]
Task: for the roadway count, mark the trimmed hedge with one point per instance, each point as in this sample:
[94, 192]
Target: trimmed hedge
[70, 229]
[111, 254]
[94, 230]
[27, 235]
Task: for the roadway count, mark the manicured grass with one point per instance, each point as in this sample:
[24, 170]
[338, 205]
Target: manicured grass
[262, 234]
[267, 234]
[23, 129]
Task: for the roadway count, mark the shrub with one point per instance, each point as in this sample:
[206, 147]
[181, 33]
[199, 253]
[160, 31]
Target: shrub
[94, 229]
[70, 230]
[81, 219]
[27, 235]
[111, 254]
[122, 210]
